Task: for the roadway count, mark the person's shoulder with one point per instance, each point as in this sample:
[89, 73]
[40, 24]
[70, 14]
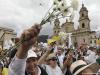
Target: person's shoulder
[43, 71]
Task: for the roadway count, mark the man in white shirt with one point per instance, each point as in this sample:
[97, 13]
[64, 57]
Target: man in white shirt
[60, 56]
[91, 56]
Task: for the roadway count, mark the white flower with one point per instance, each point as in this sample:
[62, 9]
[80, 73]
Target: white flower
[55, 9]
[56, 2]
[65, 12]
[59, 0]
[72, 16]
[62, 6]
[63, 35]
[74, 4]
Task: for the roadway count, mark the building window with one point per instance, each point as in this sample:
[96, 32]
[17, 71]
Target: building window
[82, 15]
[83, 25]
[94, 41]
[90, 41]
[58, 31]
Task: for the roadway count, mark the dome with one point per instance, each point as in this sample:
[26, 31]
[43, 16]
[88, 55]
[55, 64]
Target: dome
[83, 8]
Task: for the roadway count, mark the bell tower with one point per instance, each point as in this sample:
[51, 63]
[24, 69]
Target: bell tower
[56, 28]
[84, 21]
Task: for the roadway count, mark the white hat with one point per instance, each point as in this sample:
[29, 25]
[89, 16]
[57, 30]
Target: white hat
[51, 56]
[31, 53]
[78, 66]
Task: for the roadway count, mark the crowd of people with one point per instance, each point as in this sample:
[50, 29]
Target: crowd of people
[50, 60]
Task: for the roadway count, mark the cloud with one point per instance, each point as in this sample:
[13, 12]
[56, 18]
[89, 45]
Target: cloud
[21, 14]
[93, 8]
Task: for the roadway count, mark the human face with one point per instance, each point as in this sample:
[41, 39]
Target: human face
[87, 71]
[31, 64]
[53, 62]
[59, 52]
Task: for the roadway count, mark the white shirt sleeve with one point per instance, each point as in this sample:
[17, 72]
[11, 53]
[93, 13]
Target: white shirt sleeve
[17, 66]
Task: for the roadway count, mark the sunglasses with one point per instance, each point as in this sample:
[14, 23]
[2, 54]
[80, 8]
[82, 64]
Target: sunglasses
[53, 59]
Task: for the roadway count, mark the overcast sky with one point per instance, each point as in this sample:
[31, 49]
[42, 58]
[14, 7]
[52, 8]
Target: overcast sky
[21, 14]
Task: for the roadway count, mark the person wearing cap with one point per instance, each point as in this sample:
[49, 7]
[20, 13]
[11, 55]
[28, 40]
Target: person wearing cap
[49, 62]
[25, 61]
[80, 67]
[51, 65]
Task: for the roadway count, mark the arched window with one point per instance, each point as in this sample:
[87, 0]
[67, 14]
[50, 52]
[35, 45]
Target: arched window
[82, 15]
[91, 41]
[95, 41]
[83, 25]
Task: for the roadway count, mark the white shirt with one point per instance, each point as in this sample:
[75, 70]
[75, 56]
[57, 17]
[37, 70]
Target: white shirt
[89, 52]
[91, 58]
[17, 67]
[61, 57]
[53, 71]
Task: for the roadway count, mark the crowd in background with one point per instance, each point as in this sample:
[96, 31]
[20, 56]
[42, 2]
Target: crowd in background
[50, 59]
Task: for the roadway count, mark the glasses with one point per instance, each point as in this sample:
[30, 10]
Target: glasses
[53, 59]
[31, 59]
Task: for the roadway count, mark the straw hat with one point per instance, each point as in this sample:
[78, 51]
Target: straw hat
[78, 66]
[52, 55]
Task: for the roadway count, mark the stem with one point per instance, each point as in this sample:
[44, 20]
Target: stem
[46, 19]
[9, 50]
[47, 12]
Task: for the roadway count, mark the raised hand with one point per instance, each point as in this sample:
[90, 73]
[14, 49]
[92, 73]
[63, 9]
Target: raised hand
[28, 38]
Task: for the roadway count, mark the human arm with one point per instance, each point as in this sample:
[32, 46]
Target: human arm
[28, 38]
[43, 58]
[18, 64]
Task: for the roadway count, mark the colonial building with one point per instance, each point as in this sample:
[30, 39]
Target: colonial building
[98, 41]
[6, 35]
[83, 35]
[67, 27]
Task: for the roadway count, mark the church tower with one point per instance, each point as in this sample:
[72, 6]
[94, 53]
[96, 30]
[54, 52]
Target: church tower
[84, 21]
[83, 35]
[68, 27]
[56, 28]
